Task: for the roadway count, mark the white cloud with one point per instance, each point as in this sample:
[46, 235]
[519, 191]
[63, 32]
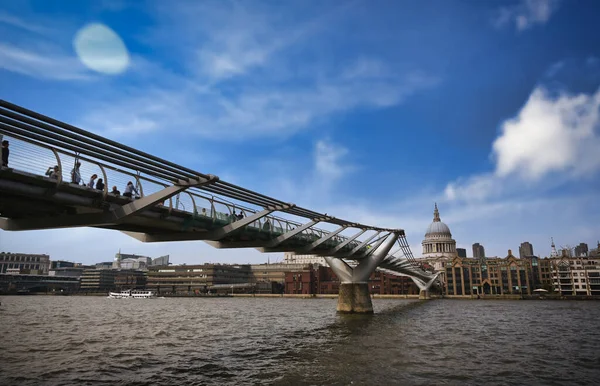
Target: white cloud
[551, 135]
[526, 14]
[551, 138]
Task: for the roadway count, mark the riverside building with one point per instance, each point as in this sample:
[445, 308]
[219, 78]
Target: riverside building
[185, 279]
[24, 263]
[576, 275]
[489, 276]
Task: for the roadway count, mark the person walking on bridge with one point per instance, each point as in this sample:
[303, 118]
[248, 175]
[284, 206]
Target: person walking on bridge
[5, 153]
[92, 180]
[129, 189]
[76, 174]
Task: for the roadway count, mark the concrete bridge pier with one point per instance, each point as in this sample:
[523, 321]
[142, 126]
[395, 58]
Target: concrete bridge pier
[354, 296]
[424, 286]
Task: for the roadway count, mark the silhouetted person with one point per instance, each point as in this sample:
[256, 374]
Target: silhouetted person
[76, 174]
[92, 180]
[52, 172]
[115, 191]
[267, 225]
[129, 189]
[100, 184]
[240, 216]
[5, 153]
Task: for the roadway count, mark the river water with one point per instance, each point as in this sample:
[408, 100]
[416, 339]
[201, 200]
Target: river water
[73, 340]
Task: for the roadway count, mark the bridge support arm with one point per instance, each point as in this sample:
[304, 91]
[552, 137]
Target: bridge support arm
[373, 248]
[345, 242]
[354, 295]
[288, 235]
[153, 199]
[323, 239]
[424, 286]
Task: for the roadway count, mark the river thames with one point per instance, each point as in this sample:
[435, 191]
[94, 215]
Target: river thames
[234, 341]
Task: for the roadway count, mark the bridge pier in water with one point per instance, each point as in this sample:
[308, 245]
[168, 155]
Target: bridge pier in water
[354, 295]
[424, 286]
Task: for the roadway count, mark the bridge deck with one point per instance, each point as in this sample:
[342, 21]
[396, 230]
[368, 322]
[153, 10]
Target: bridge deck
[175, 203]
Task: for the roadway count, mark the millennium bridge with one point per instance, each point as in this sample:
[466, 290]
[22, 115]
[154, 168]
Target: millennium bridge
[173, 203]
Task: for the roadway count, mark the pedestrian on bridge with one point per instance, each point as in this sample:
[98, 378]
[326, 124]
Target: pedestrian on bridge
[100, 184]
[267, 225]
[52, 172]
[76, 174]
[5, 153]
[115, 191]
[92, 180]
[129, 189]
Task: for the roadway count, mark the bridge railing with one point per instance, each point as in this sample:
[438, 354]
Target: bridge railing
[36, 158]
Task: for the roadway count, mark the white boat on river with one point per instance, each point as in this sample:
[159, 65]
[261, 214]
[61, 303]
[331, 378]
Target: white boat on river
[132, 294]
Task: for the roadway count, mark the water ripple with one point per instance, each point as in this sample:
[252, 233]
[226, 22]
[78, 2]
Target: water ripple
[97, 341]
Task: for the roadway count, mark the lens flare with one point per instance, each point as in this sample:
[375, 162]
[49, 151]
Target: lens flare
[101, 49]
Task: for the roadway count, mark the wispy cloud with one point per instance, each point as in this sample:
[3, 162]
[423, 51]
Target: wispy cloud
[22, 24]
[33, 50]
[45, 63]
[526, 14]
[329, 160]
[225, 88]
[277, 109]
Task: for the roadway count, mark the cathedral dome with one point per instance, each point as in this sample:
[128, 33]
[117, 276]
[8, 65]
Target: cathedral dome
[437, 228]
[438, 242]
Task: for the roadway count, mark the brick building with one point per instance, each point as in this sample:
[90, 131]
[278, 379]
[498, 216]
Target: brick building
[319, 279]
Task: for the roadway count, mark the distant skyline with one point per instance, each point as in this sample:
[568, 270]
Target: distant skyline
[370, 111]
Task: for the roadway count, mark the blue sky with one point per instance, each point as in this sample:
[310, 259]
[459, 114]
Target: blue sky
[367, 110]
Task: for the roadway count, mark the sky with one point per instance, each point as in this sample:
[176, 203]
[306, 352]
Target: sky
[371, 111]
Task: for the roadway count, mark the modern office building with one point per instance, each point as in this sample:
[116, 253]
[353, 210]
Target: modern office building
[461, 252]
[132, 261]
[98, 280]
[130, 279]
[104, 265]
[272, 272]
[525, 249]
[478, 251]
[61, 264]
[292, 258]
[24, 263]
[187, 279]
[26, 283]
[581, 250]
[66, 272]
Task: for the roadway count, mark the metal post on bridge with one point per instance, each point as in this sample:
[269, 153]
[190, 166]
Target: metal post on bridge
[1, 149]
